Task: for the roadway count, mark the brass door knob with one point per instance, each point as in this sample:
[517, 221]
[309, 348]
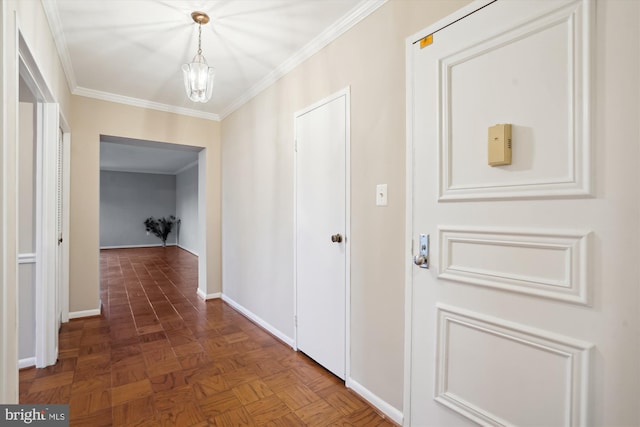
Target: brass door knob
[336, 238]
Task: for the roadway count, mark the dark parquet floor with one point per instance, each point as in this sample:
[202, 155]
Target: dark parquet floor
[160, 356]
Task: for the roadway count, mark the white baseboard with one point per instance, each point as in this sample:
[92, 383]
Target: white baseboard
[26, 362]
[259, 321]
[86, 313]
[188, 250]
[208, 296]
[392, 413]
[136, 246]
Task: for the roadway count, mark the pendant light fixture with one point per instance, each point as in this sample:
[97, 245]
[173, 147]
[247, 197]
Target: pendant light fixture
[198, 76]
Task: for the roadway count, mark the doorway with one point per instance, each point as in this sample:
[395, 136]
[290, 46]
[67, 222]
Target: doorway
[43, 148]
[140, 179]
[322, 238]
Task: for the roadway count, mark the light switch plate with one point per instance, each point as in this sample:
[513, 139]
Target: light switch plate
[381, 195]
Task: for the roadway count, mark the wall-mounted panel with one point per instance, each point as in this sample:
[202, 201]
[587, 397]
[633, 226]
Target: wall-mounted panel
[534, 262]
[519, 69]
[499, 373]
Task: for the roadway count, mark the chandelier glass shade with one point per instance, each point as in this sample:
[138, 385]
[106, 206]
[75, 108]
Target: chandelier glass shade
[198, 76]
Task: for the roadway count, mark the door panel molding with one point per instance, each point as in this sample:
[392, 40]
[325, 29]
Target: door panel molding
[571, 26]
[566, 360]
[463, 249]
[442, 379]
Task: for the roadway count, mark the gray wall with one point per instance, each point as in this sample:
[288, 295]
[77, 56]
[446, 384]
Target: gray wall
[187, 208]
[127, 199]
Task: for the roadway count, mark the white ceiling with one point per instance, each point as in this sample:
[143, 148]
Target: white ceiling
[131, 51]
[132, 155]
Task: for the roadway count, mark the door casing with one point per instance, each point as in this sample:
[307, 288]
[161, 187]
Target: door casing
[52, 287]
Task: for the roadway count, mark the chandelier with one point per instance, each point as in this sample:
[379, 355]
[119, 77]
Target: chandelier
[198, 76]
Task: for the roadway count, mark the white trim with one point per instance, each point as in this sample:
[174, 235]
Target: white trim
[188, 250]
[47, 317]
[215, 295]
[46, 287]
[357, 14]
[346, 92]
[27, 362]
[394, 414]
[575, 352]
[8, 204]
[143, 103]
[55, 24]
[158, 245]
[66, 191]
[577, 178]
[408, 225]
[447, 20]
[86, 313]
[408, 282]
[347, 239]
[202, 222]
[259, 321]
[27, 258]
[571, 247]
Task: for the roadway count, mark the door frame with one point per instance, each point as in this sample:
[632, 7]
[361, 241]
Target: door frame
[66, 187]
[51, 297]
[346, 92]
[409, 233]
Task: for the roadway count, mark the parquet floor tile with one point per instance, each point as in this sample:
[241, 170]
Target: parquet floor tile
[160, 356]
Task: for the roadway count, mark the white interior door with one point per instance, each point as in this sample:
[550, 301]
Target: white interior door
[528, 312]
[321, 232]
[60, 259]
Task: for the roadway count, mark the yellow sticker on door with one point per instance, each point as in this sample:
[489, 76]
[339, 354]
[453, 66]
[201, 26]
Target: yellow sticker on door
[426, 41]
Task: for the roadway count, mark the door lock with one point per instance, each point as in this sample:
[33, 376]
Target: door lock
[336, 238]
[422, 259]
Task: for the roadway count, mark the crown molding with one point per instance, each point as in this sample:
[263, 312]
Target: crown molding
[55, 25]
[357, 14]
[143, 103]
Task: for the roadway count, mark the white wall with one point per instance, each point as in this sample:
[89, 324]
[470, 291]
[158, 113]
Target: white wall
[257, 187]
[187, 208]
[127, 199]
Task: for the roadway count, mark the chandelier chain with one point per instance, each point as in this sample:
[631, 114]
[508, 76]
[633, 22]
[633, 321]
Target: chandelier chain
[198, 76]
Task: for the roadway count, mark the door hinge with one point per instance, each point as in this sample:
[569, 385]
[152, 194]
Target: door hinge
[295, 320]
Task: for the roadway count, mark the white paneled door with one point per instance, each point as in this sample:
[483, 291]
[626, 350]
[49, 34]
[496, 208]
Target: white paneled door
[321, 232]
[523, 308]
